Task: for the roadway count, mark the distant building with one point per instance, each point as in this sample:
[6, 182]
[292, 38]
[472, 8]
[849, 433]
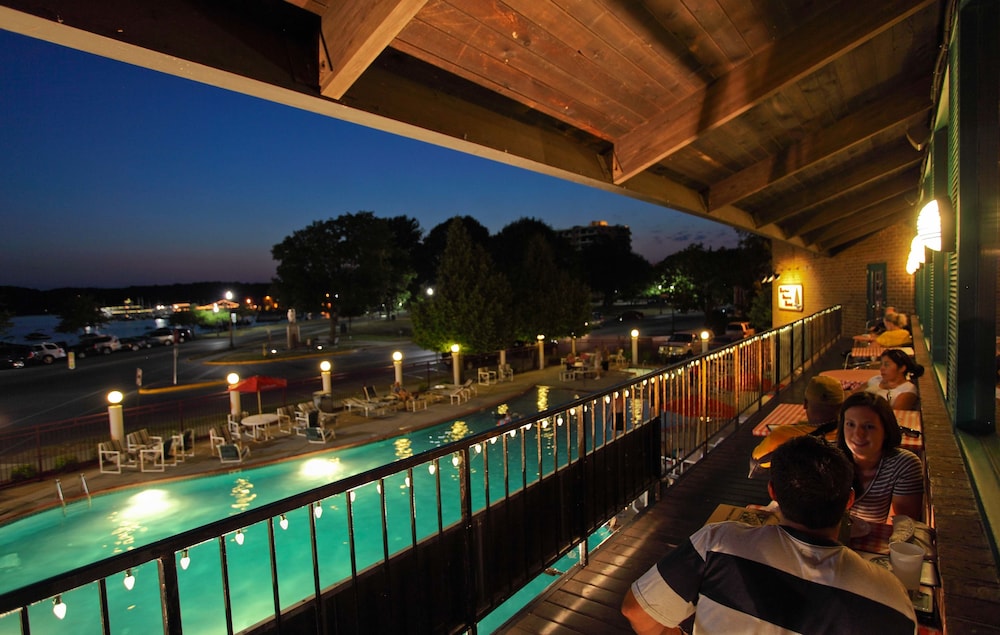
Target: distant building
[582, 236]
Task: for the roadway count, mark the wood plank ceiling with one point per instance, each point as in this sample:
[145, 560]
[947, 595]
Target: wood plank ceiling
[799, 120]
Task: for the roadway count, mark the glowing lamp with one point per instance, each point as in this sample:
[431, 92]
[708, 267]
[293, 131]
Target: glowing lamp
[929, 226]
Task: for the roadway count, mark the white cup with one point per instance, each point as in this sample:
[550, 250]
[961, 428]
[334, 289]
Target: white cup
[907, 559]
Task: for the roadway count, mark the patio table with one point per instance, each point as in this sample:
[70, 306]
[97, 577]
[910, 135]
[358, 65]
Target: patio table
[260, 425]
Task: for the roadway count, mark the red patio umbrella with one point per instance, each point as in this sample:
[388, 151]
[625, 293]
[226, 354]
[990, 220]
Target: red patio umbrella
[258, 383]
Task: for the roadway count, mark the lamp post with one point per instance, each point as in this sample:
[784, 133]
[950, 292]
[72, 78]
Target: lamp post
[116, 418]
[541, 352]
[324, 373]
[635, 347]
[455, 370]
[234, 396]
[704, 341]
[232, 319]
[397, 366]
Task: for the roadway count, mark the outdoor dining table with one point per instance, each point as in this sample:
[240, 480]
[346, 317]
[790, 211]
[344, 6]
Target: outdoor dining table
[260, 425]
[788, 413]
[851, 379]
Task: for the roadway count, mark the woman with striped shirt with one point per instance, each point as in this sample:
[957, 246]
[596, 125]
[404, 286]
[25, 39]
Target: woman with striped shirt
[888, 480]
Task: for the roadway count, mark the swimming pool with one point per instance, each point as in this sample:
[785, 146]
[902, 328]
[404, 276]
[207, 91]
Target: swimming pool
[49, 543]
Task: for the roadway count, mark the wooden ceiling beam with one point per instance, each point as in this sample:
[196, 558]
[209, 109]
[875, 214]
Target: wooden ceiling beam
[848, 205]
[833, 33]
[846, 133]
[848, 225]
[860, 174]
[874, 225]
[353, 33]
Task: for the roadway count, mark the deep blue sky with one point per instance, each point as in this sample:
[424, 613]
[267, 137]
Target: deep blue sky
[114, 175]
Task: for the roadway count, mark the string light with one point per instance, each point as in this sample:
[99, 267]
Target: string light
[58, 608]
[283, 522]
[129, 580]
[185, 560]
[239, 536]
[431, 468]
[318, 508]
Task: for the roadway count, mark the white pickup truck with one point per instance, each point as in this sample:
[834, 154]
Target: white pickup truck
[739, 330]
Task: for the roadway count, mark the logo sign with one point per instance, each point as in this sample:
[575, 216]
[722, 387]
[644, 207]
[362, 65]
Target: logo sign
[790, 297]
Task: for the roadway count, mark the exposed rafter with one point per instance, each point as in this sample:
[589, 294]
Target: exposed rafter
[816, 43]
[853, 203]
[847, 133]
[354, 33]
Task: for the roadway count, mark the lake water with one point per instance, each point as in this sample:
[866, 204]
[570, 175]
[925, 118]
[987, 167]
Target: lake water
[25, 324]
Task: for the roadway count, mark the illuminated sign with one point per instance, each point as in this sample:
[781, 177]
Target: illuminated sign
[790, 297]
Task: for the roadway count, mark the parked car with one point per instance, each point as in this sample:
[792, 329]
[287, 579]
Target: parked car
[630, 316]
[47, 352]
[14, 355]
[98, 345]
[683, 344]
[9, 360]
[136, 343]
[165, 335]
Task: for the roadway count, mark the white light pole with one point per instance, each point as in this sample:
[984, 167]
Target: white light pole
[704, 341]
[397, 366]
[541, 352]
[232, 319]
[116, 418]
[235, 408]
[455, 370]
[324, 373]
[635, 347]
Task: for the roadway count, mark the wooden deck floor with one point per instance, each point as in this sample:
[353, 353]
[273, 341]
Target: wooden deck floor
[588, 600]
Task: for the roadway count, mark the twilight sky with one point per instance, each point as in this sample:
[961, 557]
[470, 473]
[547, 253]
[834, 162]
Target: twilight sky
[113, 175]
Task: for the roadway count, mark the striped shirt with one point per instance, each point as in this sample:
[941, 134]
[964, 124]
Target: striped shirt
[734, 578]
[900, 473]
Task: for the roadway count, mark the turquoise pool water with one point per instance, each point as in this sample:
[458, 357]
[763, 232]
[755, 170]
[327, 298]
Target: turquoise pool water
[51, 543]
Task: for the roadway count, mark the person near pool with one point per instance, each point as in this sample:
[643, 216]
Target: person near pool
[888, 480]
[793, 577]
[894, 383]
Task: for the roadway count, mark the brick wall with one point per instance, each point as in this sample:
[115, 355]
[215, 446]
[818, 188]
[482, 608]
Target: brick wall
[841, 279]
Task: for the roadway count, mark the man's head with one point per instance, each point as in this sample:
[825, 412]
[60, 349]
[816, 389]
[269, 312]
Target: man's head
[811, 480]
[824, 396]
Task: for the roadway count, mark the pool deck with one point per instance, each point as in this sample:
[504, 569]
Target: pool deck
[352, 429]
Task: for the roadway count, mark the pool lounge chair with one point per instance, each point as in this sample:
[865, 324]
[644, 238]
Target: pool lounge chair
[315, 434]
[366, 406]
[215, 439]
[112, 456]
[233, 453]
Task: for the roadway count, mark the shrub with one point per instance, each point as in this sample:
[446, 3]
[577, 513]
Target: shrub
[67, 463]
[23, 472]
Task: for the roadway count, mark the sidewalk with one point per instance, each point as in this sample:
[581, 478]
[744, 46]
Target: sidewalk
[352, 429]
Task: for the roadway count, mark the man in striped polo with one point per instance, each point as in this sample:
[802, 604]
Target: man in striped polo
[793, 577]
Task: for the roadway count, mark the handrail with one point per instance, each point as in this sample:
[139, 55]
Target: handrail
[600, 452]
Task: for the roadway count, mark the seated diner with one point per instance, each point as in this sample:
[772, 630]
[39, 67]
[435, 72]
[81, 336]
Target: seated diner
[888, 480]
[894, 383]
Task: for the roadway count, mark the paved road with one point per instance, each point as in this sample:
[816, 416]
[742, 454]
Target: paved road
[41, 394]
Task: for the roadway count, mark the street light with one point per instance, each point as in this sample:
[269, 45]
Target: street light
[232, 319]
[324, 373]
[541, 352]
[635, 347]
[234, 396]
[397, 365]
[116, 418]
[455, 370]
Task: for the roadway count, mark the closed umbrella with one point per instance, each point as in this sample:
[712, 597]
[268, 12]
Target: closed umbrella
[258, 383]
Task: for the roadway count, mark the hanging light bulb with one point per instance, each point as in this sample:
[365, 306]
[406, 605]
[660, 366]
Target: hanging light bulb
[185, 560]
[58, 608]
[283, 522]
[239, 536]
[431, 468]
[455, 460]
[318, 509]
[129, 580]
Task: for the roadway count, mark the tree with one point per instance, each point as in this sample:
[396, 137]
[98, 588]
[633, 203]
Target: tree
[550, 299]
[613, 270]
[82, 311]
[469, 300]
[427, 255]
[342, 265]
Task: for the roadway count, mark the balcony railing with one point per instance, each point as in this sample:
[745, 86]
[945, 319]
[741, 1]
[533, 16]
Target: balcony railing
[435, 542]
